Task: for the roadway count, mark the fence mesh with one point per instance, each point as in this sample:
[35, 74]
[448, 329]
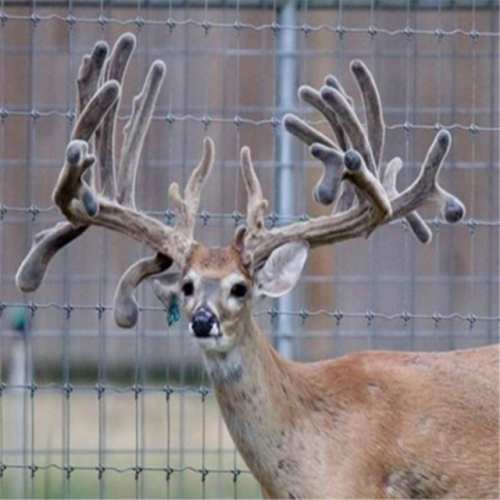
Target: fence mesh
[89, 410]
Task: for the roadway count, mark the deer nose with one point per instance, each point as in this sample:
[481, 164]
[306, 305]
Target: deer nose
[203, 322]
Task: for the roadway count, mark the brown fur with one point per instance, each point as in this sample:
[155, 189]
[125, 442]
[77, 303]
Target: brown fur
[216, 262]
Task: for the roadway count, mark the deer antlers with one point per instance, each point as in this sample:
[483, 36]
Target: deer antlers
[113, 206]
[362, 198]
[368, 199]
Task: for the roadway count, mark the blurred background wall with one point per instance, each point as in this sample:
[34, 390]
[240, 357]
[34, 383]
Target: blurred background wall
[109, 412]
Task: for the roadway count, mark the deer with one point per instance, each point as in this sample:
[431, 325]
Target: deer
[372, 424]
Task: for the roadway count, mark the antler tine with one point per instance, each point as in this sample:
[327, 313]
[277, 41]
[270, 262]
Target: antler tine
[333, 82]
[115, 68]
[135, 133]
[418, 226]
[312, 97]
[426, 188]
[47, 243]
[125, 307]
[89, 73]
[187, 206]
[351, 124]
[327, 188]
[256, 204]
[373, 109]
[304, 132]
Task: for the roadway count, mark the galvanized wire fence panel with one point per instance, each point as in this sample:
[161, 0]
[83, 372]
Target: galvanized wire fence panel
[88, 410]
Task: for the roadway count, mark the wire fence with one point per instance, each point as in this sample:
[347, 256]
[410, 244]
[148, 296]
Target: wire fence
[89, 410]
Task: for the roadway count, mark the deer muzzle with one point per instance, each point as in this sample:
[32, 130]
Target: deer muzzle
[204, 323]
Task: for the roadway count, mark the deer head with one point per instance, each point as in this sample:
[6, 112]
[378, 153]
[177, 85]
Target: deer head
[217, 285]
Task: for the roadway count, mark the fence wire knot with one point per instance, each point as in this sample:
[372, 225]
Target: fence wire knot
[237, 217]
[4, 114]
[273, 218]
[100, 310]
[32, 388]
[33, 468]
[471, 318]
[67, 389]
[100, 471]
[204, 473]
[474, 35]
[68, 308]
[100, 389]
[137, 390]
[436, 317]
[168, 473]
[406, 317]
[206, 27]
[33, 210]
[205, 217]
[370, 316]
[372, 31]
[69, 470]
[439, 34]
[472, 225]
[338, 315]
[35, 19]
[168, 391]
[304, 314]
[273, 314]
[171, 24]
[204, 392]
[138, 471]
[32, 307]
[473, 129]
[169, 216]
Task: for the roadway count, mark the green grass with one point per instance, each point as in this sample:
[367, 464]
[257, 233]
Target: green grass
[131, 433]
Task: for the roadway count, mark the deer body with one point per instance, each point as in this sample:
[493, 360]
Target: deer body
[369, 425]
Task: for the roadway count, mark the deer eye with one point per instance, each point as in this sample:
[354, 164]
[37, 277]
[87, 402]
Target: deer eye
[239, 290]
[188, 288]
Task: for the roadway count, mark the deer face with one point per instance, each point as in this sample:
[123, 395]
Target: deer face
[217, 288]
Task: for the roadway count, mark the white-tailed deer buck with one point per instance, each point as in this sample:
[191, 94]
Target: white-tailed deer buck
[368, 425]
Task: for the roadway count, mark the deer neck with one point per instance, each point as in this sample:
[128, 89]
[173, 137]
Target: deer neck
[253, 384]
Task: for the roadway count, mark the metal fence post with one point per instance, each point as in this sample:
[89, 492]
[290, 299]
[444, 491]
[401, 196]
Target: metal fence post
[285, 184]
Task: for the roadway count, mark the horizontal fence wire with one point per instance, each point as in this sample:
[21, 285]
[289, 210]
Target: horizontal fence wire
[89, 410]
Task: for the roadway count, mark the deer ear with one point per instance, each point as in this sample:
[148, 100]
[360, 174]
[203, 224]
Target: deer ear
[282, 269]
[166, 286]
[167, 290]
